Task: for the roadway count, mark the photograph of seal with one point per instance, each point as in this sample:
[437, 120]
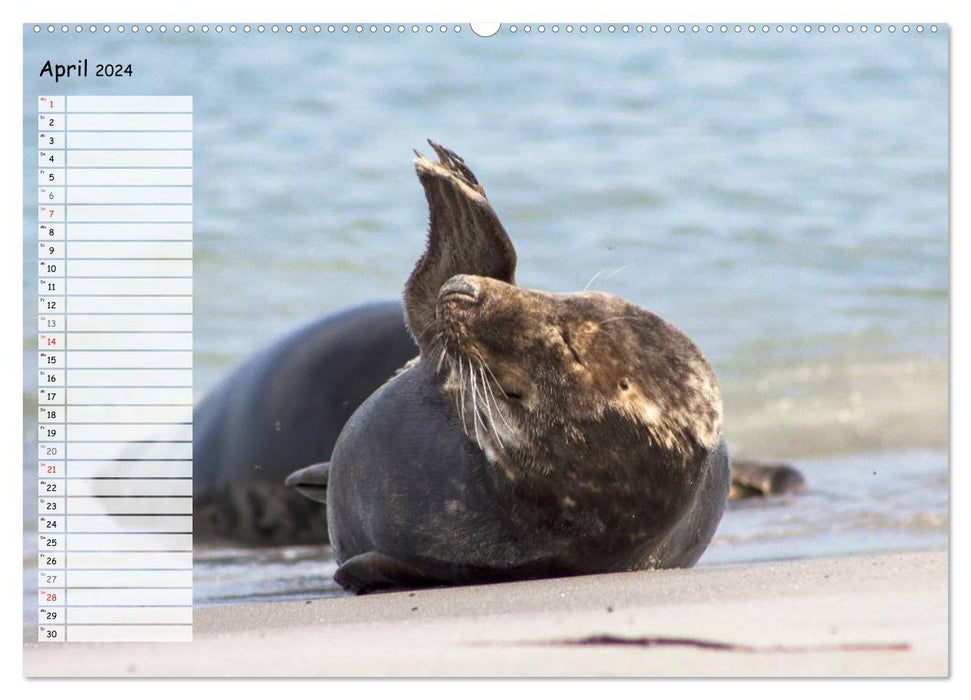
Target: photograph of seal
[536, 435]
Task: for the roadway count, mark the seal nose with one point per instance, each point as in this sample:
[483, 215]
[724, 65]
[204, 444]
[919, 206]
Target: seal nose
[460, 289]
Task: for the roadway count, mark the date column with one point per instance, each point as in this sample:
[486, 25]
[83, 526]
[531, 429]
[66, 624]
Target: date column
[51, 433]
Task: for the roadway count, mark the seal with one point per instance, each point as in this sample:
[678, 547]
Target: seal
[536, 434]
[281, 409]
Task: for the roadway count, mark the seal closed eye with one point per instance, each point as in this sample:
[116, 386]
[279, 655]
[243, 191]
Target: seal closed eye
[537, 434]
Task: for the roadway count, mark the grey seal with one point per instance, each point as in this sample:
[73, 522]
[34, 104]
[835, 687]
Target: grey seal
[536, 434]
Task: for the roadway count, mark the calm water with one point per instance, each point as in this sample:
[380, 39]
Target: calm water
[783, 199]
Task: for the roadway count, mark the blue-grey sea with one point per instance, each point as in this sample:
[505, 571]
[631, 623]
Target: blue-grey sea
[783, 198]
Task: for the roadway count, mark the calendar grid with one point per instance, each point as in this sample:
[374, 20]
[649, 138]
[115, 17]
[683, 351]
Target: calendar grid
[115, 368]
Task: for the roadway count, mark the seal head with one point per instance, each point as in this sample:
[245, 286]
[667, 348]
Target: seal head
[533, 366]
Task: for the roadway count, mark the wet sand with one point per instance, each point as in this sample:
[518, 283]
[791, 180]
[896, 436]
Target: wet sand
[883, 615]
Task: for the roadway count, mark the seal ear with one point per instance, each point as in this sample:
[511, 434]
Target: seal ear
[465, 237]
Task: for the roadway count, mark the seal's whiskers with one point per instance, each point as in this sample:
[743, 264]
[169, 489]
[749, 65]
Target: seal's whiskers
[611, 274]
[592, 280]
[476, 417]
[488, 404]
[419, 335]
[441, 358]
[465, 427]
[496, 402]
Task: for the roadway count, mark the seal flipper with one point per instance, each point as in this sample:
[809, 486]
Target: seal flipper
[465, 237]
[311, 481]
[752, 478]
[374, 571]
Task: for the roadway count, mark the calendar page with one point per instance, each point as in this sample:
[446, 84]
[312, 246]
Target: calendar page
[519, 349]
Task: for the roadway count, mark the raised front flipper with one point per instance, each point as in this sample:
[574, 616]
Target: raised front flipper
[752, 478]
[373, 571]
[465, 237]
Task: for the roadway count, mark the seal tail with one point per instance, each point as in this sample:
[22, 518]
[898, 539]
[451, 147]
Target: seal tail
[311, 481]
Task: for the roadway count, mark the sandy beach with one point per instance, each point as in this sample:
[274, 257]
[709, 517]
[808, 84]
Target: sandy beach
[884, 615]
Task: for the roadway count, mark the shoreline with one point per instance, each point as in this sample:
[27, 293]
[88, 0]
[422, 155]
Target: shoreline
[881, 615]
